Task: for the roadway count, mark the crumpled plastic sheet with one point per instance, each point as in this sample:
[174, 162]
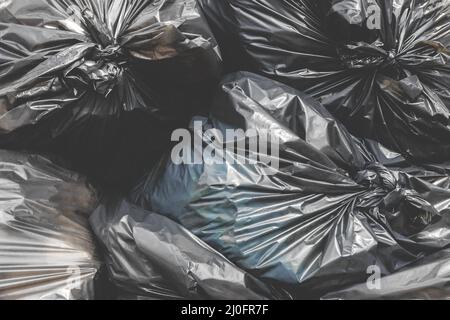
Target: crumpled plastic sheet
[102, 82]
[47, 251]
[151, 257]
[380, 66]
[335, 206]
[427, 280]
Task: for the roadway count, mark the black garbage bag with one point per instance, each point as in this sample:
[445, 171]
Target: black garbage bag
[47, 251]
[151, 257]
[102, 82]
[319, 218]
[380, 66]
[427, 280]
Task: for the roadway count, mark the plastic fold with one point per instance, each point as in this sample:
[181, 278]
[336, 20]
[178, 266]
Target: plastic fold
[47, 251]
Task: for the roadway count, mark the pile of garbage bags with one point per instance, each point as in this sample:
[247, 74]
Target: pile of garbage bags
[232, 149]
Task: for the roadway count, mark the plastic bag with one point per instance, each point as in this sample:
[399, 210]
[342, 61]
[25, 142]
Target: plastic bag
[102, 82]
[152, 257]
[47, 251]
[427, 280]
[379, 66]
[318, 221]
